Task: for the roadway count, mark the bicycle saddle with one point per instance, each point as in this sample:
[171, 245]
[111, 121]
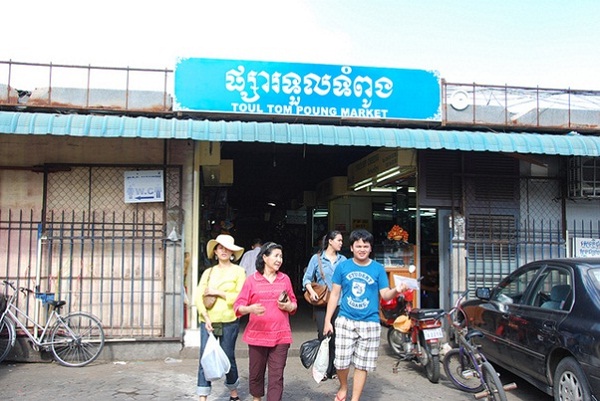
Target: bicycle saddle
[57, 304]
[473, 333]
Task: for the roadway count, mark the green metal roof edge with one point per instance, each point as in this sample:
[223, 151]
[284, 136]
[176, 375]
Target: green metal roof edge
[77, 125]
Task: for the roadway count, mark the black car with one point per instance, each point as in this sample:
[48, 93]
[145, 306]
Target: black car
[542, 323]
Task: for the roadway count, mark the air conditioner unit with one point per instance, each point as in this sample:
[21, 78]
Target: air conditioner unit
[584, 177]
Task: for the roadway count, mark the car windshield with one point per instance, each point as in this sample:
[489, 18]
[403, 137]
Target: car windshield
[595, 275]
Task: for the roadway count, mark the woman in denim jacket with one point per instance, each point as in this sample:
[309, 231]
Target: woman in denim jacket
[330, 258]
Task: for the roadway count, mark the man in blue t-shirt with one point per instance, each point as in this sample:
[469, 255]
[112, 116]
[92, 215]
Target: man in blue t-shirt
[357, 284]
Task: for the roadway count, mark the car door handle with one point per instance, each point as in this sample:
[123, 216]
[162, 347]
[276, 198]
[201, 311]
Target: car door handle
[549, 325]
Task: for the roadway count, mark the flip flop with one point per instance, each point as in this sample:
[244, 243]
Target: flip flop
[337, 398]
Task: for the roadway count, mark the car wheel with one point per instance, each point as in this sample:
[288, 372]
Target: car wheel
[570, 383]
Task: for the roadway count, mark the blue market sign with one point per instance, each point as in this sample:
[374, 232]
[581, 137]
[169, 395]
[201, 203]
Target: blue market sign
[315, 90]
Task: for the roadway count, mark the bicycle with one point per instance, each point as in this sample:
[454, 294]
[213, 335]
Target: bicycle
[465, 366]
[75, 339]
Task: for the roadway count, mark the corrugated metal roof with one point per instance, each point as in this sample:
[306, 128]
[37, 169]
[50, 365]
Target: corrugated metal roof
[224, 131]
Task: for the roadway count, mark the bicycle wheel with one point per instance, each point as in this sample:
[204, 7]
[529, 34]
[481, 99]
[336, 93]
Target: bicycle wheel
[7, 337]
[495, 391]
[77, 339]
[460, 370]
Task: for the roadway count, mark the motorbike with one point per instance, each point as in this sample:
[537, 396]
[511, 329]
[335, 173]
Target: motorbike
[414, 334]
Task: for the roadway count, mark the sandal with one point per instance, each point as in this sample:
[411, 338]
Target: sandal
[337, 398]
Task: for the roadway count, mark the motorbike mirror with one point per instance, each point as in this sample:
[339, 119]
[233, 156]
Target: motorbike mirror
[412, 269]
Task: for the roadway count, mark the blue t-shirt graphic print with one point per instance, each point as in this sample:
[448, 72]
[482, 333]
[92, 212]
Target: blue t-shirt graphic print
[359, 299]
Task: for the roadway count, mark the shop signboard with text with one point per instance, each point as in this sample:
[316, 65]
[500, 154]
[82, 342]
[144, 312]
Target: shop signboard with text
[311, 90]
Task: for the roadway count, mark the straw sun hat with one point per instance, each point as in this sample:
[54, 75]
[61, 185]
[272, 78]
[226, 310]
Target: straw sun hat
[227, 242]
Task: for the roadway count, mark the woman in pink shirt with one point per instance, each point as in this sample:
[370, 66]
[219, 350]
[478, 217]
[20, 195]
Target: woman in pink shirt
[268, 297]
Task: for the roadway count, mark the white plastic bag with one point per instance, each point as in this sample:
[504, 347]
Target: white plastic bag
[319, 369]
[214, 360]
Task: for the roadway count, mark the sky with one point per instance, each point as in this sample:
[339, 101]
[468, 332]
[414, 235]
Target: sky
[550, 44]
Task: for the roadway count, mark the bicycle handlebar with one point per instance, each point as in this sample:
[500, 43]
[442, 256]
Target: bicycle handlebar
[455, 308]
[11, 284]
[460, 298]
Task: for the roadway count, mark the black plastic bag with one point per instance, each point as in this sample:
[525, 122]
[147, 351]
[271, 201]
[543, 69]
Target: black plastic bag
[308, 352]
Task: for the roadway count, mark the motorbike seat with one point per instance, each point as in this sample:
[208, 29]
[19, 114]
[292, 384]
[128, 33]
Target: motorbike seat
[424, 314]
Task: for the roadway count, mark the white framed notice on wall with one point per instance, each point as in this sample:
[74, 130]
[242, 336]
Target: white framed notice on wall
[586, 247]
[144, 186]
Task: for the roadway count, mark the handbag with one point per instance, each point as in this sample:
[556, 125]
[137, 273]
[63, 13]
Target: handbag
[209, 300]
[321, 289]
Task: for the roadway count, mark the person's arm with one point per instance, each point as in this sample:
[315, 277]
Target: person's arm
[200, 289]
[198, 301]
[291, 305]
[241, 305]
[334, 297]
[385, 291]
[390, 293]
[309, 275]
[256, 309]
[240, 279]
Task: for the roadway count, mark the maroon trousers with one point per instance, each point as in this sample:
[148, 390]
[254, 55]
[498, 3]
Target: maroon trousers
[272, 360]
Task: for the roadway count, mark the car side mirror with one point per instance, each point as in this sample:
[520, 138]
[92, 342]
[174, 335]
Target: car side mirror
[483, 293]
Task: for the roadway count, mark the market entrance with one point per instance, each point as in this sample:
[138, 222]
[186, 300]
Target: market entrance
[280, 193]
[273, 196]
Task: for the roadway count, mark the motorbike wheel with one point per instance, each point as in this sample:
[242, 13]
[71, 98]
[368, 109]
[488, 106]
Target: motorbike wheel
[396, 341]
[432, 366]
[461, 372]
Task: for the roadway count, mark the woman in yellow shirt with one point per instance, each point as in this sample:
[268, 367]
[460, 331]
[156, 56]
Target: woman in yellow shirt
[223, 281]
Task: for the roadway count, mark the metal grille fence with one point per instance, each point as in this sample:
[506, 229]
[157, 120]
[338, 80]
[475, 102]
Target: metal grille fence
[583, 228]
[492, 238]
[100, 254]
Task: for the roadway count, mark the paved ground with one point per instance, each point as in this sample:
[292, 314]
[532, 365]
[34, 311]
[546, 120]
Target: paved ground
[174, 378]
